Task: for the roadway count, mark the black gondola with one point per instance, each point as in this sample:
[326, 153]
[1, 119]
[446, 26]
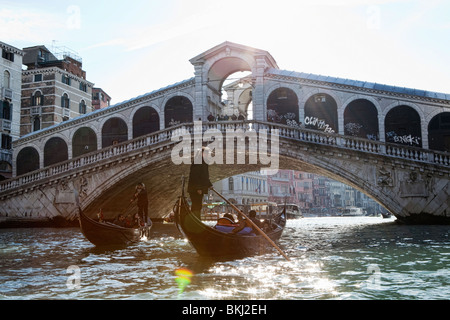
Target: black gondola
[106, 233]
[211, 242]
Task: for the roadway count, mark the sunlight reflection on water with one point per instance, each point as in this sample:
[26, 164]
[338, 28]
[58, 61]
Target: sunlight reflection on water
[331, 258]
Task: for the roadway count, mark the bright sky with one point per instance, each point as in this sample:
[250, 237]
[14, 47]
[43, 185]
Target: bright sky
[133, 47]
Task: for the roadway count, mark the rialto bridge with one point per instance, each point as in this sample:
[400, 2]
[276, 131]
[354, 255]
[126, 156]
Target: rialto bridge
[391, 143]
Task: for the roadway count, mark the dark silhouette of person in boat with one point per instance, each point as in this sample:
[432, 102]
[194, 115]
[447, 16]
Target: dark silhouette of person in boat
[199, 183]
[142, 201]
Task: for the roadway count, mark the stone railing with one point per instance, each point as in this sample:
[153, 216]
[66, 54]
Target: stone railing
[291, 133]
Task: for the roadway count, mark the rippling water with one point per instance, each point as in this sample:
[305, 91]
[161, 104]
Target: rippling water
[331, 258]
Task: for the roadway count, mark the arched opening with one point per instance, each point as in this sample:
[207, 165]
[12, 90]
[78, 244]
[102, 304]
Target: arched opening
[439, 132]
[321, 113]
[282, 107]
[114, 131]
[177, 110]
[55, 151]
[223, 69]
[27, 160]
[237, 95]
[361, 120]
[84, 141]
[145, 121]
[402, 126]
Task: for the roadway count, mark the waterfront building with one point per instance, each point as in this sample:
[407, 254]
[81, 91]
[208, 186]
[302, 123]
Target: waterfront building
[100, 99]
[247, 188]
[54, 88]
[10, 96]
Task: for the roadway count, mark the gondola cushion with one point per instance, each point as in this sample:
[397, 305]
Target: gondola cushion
[228, 229]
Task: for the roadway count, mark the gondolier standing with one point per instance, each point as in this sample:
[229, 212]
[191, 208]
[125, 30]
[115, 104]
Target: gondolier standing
[199, 183]
[142, 201]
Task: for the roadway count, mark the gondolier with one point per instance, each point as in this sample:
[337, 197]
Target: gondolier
[142, 201]
[199, 182]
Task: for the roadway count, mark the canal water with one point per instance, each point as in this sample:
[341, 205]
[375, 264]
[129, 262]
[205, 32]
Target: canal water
[331, 258]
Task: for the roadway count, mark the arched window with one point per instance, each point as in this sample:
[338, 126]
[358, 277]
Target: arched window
[114, 131]
[402, 126]
[38, 99]
[321, 113]
[27, 160]
[145, 121]
[65, 102]
[282, 107]
[439, 132]
[177, 110]
[230, 183]
[7, 79]
[82, 107]
[361, 119]
[84, 141]
[55, 151]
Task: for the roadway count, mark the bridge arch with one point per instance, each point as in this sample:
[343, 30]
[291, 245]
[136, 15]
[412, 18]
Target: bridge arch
[403, 125]
[283, 106]
[178, 108]
[361, 119]
[439, 132]
[27, 160]
[55, 151]
[223, 67]
[84, 140]
[146, 120]
[114, 130]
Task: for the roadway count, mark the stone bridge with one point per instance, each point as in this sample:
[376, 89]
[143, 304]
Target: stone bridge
[411, 183]
[391, 143]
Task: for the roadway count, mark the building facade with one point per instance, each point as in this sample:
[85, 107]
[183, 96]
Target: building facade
[54, 89]
[100, 99]
[10, 96]
[247, 188]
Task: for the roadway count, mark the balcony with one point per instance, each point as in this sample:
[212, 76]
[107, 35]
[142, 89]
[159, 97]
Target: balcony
[6, 93]
[36, 111]
[5, 125]
[66, 113]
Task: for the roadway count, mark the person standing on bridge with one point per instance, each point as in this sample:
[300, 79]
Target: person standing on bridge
[199, 183]
[142, 201]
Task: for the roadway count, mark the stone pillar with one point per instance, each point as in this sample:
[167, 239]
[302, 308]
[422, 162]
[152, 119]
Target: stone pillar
[200, 93]
[259, 105]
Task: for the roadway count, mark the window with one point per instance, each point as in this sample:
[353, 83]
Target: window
[37, 77]
[65, 102]
[231, 184]
[8, 55]
[36, 124]
[6, 141]
[82, 107]
[7, 82]
[65, 79]
[38, 99]
[5, 110]
[83, 87]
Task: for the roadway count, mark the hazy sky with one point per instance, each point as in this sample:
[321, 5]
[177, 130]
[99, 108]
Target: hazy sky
[133, 47]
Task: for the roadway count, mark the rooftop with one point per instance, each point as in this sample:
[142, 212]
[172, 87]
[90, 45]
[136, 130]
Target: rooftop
[360, 84]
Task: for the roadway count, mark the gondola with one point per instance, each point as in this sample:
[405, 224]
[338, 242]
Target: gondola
[106, 233]
[210, 242]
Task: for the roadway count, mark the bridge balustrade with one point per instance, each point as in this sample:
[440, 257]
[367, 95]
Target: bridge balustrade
[284, 131]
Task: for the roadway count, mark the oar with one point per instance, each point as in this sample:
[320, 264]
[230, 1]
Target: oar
[253, 224]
